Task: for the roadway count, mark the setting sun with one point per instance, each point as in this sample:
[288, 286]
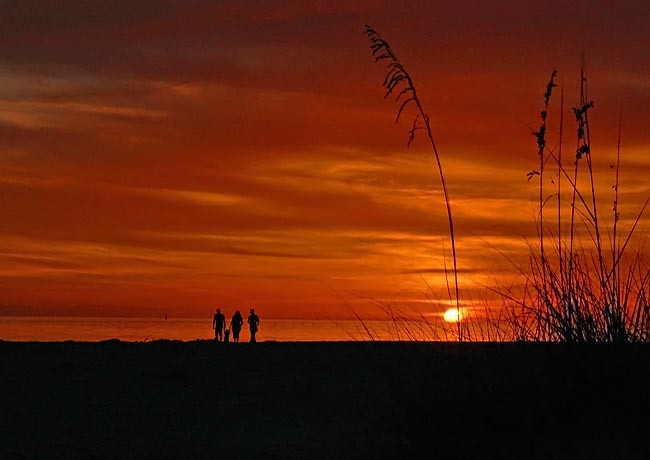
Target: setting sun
[453, 315]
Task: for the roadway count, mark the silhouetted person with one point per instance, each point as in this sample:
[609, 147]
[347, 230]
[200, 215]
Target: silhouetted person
[218, 323]
[253, 324]
[226, 335]
[235, 325]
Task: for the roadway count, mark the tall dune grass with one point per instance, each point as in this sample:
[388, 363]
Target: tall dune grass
[580, 286]
[398, 83]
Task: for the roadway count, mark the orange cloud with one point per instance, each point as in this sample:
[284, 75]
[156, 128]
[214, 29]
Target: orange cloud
[174, 157]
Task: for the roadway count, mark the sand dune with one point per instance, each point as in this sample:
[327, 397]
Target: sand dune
[166, 400]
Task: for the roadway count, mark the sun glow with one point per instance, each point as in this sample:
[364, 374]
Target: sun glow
[453, 315]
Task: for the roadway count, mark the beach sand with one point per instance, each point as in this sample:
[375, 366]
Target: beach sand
[166, 400]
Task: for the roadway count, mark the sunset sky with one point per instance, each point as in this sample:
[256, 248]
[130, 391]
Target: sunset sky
[174, 156]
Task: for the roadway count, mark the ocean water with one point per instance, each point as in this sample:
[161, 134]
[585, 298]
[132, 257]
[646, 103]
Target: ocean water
[48, 329]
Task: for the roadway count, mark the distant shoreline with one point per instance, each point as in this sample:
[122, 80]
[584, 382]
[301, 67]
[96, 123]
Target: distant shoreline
[210, 342]
[143, 329]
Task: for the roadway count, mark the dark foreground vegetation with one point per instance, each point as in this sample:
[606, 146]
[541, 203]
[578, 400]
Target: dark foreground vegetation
[166, 400]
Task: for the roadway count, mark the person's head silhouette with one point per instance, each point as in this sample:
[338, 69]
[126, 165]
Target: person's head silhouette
[218, 310]
[252, 311]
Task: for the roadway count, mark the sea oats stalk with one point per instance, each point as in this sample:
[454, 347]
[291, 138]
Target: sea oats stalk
[540, 135]
[398, 83]
[616, 273]
[583, 148]
[559, 178]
